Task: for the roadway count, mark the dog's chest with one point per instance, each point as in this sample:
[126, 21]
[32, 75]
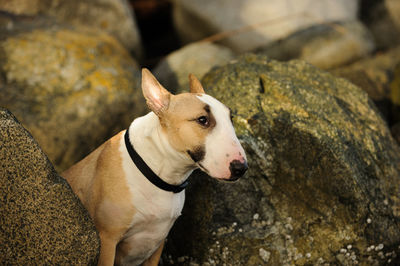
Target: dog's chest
[155, 213]
[151, 223]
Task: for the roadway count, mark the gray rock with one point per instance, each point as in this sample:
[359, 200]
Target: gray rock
[115, 17]
[196, 58]
[323, 178]
[254, 23]
[72, 88]
[325, 46]
[42, 222]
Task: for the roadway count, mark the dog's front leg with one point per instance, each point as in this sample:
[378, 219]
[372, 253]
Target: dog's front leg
[107, 250]
[155, 258]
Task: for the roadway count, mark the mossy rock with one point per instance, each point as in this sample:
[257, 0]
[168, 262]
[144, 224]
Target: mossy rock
[72, 88]
[42, 222]
[323, 179]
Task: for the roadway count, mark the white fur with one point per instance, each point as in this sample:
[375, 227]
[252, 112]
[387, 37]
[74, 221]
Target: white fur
[222, 146]
[155, 210]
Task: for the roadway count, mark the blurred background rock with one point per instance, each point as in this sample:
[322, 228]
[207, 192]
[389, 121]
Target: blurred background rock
[70, 73]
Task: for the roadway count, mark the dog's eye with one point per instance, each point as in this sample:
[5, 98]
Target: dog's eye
[203, 120]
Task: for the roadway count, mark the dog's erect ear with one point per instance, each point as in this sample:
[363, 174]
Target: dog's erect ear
[195, 85]
[157, 97]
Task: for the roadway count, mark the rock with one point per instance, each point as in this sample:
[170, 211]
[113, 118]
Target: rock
[393, 7]
[395, 94]
[395, 130]
[376, 16]
[323, 178]
[375, 75]
[72, 89]
[249, 24]
[115, 17]
[42, 222]
[196, 58]
[325, 45]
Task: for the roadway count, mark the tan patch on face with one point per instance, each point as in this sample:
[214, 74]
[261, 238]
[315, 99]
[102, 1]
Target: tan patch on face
[179, 122]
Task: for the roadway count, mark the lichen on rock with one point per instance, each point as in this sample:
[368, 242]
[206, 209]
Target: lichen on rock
[72, 88]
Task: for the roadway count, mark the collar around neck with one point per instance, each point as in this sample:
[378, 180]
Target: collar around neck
[147, 172]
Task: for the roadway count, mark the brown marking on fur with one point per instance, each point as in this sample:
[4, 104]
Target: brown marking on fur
[195, 85]
[123, 249]
[197, 154]
[155, 258]
[99, 182]
[179, 122]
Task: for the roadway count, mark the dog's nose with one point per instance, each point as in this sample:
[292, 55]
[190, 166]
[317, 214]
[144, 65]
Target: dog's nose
[237, 169]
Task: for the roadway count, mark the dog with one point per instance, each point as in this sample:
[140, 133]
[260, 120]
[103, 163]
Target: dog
[133, 184]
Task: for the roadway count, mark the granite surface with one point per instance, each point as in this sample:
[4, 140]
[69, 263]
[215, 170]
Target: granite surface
[41, 221]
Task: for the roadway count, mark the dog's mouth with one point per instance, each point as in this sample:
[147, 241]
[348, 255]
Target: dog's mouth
[202, 168]
[225, 180]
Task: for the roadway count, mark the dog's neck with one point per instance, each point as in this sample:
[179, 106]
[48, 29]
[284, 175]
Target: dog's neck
[153, 146]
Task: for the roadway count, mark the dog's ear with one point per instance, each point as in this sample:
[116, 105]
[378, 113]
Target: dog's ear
[157, 97]
[195, 85]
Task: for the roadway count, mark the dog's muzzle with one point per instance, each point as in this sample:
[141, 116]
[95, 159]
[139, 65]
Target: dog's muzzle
[237, 169]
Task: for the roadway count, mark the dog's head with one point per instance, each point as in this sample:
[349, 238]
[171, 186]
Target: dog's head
[198, 126]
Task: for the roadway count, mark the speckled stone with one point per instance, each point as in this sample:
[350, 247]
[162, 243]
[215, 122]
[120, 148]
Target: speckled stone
[323, 183]
[41, 221]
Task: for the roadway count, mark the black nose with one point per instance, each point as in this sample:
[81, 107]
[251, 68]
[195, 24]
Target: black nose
[237, 169]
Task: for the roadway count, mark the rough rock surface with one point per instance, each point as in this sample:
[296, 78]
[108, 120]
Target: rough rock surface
[196, 58]
[323, 179]
[375, 75]
[259, 21]
[115, 17]
[42, 222]
[72, 89]
[325, 46]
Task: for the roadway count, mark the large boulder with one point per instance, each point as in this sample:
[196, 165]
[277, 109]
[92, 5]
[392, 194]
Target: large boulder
[115, 17]
[249, 24]
[325, 46]
[72, 88]
[42, 222]
[195, 58]
[323, 184]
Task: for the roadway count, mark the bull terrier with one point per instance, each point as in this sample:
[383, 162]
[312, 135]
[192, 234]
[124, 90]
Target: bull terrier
[133, 184]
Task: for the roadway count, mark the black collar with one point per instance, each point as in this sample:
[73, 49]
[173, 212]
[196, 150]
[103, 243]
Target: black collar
[148, 173]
